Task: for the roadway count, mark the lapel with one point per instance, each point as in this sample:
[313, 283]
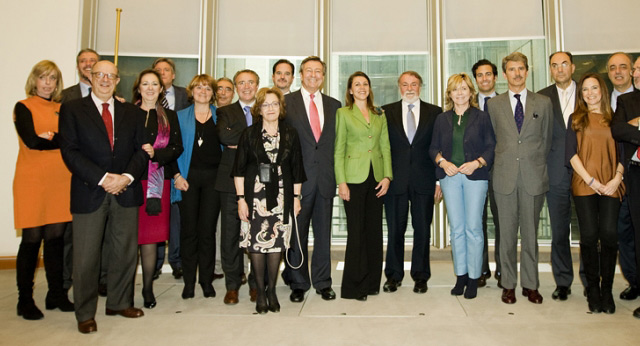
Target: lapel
[396, 120]
[118, 117]
[240, 113]
[357, 114]
[528, 110]
[93, 114]
[473, 116]
[298, 108]
[505, 104]
[422, 122]
[557, 107]
[329, 117]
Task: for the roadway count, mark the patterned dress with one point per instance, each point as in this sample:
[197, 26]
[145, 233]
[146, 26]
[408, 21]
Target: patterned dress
[265, 232]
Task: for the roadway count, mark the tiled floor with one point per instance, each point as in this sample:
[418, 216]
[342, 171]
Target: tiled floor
[400, 318]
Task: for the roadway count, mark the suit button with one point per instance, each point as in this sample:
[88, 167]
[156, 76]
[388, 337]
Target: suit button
[369, 150]
[370, 136]
[519, 142]
[517, 159]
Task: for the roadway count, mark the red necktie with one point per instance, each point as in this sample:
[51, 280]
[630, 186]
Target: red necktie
[314, 118]
[108, 122]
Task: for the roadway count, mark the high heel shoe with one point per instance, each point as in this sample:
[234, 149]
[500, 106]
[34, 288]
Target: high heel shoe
[58, 301]
[261, 303]
[150, 305]
[149, 299]
[274, 305]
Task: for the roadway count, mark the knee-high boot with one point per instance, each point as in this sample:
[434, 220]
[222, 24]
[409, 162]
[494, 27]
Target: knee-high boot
[26, 263]
[53, 265]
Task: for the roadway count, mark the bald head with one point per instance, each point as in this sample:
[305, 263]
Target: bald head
[619, 71]
[104, 78]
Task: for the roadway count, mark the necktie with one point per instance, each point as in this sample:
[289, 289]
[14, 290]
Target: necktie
[247, 115]
[411, 124]
[486, 107]
[519, 113]
[165, 102]
[314, 118]
[108, 122]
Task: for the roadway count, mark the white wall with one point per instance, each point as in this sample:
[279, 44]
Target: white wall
[30, 31]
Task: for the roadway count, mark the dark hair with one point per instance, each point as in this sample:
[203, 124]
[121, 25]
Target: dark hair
[261, 96]
[235, 76]
[284, 61]
[136, 85]
[202, 79]
[349, 98]
[622, 53]
[517, 57]
[86, 50]
[483, 62]
[560, 51]
[167, 60]
[314, 58]
[580, 117]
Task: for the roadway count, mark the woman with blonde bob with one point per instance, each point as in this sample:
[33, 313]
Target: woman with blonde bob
[41, 197]
[596, 186]
[462, 148]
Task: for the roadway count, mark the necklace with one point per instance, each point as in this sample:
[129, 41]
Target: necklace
[200, 140]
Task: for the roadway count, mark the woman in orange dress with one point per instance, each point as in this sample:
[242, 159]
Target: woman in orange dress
[41, 190]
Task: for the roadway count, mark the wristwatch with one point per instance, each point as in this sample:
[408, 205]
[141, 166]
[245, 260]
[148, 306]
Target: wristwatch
[299, 197]
[239, 197]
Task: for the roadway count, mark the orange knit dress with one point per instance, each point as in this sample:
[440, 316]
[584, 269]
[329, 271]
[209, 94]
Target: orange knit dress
[42, 183]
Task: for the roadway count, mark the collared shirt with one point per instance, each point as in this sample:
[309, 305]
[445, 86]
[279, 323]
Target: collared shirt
[569, 106]
[416, 114]
[317, 100]
[614, 96]
[242, 105]
[84, 89]
[481, 97]
[514, 101]
[170, 95]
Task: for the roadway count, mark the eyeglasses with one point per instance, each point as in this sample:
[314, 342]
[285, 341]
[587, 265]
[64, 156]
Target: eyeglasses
[265, 106]
[564, 65]
[100, 75]
[222, 88]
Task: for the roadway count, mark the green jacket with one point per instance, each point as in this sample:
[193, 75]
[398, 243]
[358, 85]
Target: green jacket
[360, 145]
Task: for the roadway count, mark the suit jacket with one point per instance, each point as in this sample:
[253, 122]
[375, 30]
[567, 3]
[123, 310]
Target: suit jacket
[556, 168]
[87, 153]
[360, 145]
[412, 169]
[316, 157]
[182, 100]
[71, 93]
[627, 109]
[523, 153]
[231, 123]
[478, 141]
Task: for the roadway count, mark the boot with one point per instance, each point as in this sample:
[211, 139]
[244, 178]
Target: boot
[461, 282]
[26, 263]
[593, 298]
[472, 289]
[53, 265]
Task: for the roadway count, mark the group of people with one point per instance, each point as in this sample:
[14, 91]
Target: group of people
[99, 180]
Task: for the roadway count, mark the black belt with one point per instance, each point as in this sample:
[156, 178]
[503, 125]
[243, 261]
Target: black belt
[634, 163]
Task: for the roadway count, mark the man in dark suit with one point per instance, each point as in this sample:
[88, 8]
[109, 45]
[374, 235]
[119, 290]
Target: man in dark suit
[176, 99]
[283, 71]
[307, 108]
[232, 120]
[625, 128]
[523, 124]
[485, 73]
[563, 98]
[414, 180]
[102, 146]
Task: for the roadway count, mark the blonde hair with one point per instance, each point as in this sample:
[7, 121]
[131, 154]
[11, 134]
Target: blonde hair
[44, 67]
[453, 82]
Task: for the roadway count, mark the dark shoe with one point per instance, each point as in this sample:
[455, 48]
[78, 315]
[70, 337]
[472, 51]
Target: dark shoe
[362, 298]
[461, 282]
[482, 281]
[636, 313]
[508, 296]
[420, 286]
[231, 298]
[130, 312]
[630, 293]
[373, 292]
[472, 288]
[157, 273]
[88, 326]
[217, 276]
[60, 302]
[243, 279]
[391, 285]
[261, 302]
[149, 298]
[326, 293]
[28, 310]
[499, 282]
[297, 295]
[561, 293]
[274, 305]
[177, 273]
[188, 292]
[594, 301]
[533, 295]
[102, 290]
[150, 305]
[253, 295]
[208, 291]
[262, 308]
[608, 305]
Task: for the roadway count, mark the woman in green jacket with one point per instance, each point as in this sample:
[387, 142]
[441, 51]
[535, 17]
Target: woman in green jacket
[363, 173]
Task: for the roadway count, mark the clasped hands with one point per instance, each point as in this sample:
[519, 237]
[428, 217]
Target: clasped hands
[466, 168]
[607, 189]
[115, 184]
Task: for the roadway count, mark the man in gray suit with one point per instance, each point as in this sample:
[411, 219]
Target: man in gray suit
[523, 124]
[84, 62]
[563, 98]
[304, 107]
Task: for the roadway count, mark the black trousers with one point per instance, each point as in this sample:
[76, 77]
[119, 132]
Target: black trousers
[633, 194]
[490, 203]
[597, 217]
[363, 256]
[199, 210]
[231, 255]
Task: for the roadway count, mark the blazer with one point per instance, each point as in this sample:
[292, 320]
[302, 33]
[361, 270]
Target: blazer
[182, 100]
[71, 93]
[167, 156]
[627, 109]
[412, 169]
[317, 157]
[360, 145]
[523, 153]
[478, 141]
[251, 153]
[87, 153]
[231, 123]
[557, 170]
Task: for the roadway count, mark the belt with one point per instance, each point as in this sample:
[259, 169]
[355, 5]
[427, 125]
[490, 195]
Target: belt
[634, 163]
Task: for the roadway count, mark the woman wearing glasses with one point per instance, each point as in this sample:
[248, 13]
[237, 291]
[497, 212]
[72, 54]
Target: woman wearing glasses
[268, 175]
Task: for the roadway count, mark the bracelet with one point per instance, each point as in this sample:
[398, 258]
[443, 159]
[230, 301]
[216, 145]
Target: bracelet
[480, 162]
[591, 182]
[176, 176]
[620, 172]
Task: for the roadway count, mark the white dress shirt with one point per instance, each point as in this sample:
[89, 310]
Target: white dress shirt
[569, 100]
[415, 111]
[514, 101]
[614, 96]
[481, 97]
[170, 95]
[317, 100]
